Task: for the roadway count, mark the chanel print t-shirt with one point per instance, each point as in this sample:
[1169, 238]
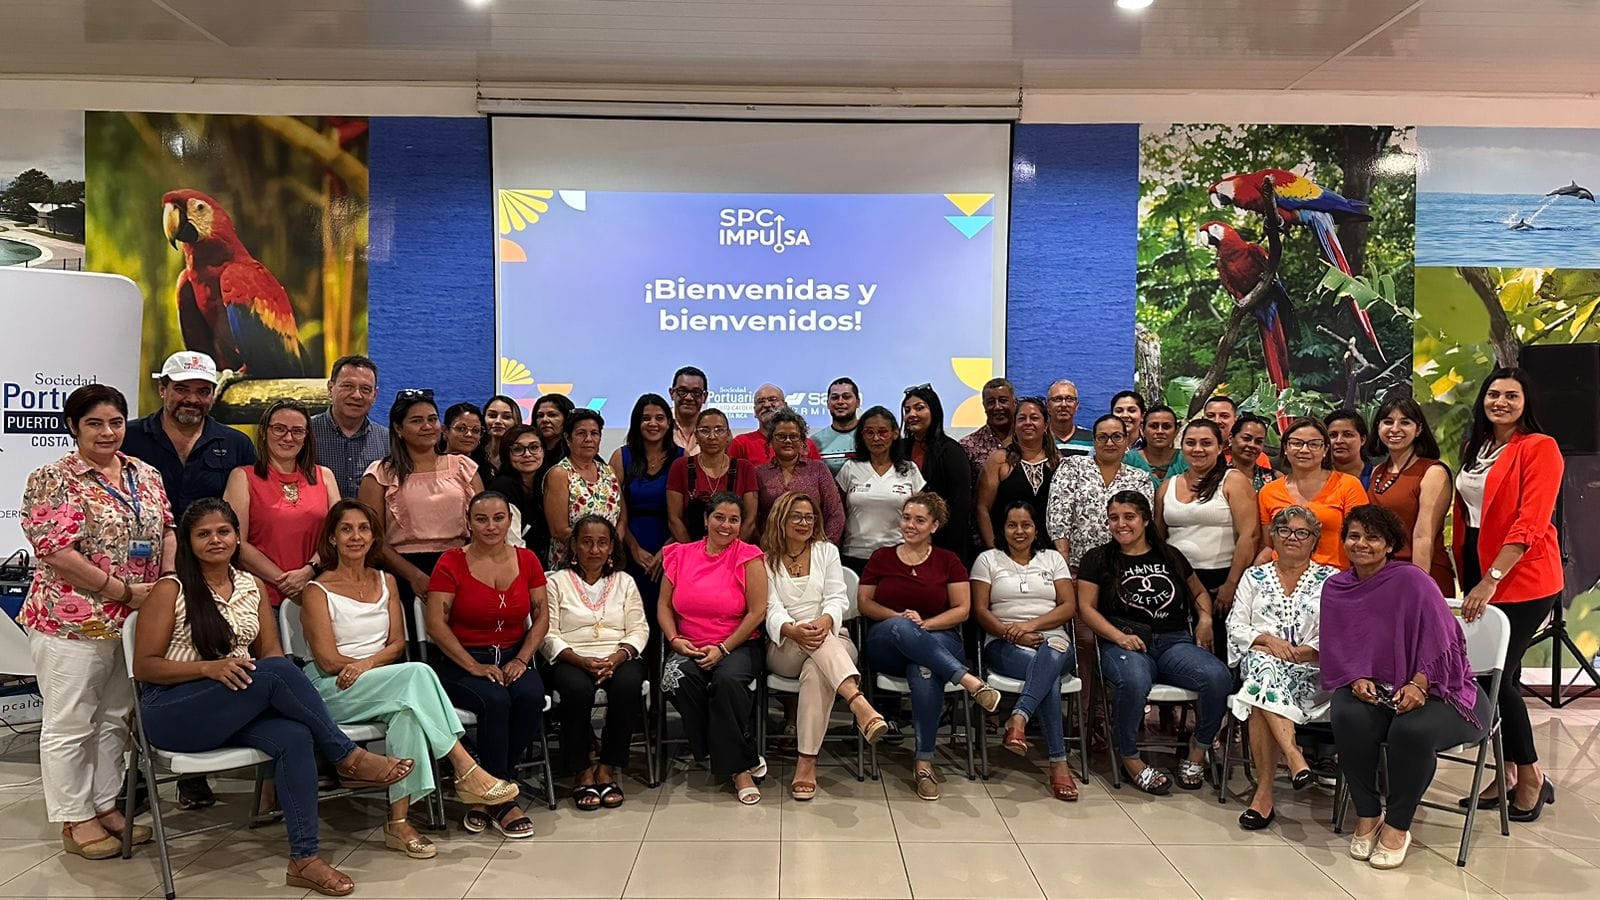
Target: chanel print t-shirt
[1146, 588]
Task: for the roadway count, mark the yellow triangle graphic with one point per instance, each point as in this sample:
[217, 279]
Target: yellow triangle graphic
[969, 203]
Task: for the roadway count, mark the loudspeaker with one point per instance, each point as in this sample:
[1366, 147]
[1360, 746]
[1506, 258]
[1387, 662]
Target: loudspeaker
[1567, 377]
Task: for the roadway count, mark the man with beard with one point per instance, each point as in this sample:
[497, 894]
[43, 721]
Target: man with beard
[838, 441]
[756, 446]
[688, 393]
[194, 454]
[347, 439]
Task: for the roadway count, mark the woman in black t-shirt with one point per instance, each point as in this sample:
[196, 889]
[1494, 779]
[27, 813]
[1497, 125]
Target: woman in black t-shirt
[1138, 596]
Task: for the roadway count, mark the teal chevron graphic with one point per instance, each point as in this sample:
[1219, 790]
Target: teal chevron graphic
[969, 225]
[597, 404]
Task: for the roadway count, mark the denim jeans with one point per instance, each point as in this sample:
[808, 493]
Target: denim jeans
[279, 713]
[927, 660]
[1175, 660]
[1040, 672]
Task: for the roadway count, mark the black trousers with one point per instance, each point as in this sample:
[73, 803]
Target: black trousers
[509, 715]
[1413, 741]
[1213, 580]
[624, 705]
[1525, 618]
[717, 706]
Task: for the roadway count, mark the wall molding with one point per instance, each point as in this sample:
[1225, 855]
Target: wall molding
[1311, 108]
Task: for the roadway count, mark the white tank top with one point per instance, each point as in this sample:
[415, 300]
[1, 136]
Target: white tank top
[1202, 532]
[360, 629]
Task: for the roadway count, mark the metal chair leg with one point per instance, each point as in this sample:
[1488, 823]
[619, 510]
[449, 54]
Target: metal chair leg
[1082, 709]
[966, 713]
[142, 748]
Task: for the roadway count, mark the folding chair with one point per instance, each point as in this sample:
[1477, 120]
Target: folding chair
[145, 758]
[1488, 640]
[645, 724]
[1160, 694]
[782, 685]
[1230, 725]
[469, 720]
[895, 685]
[1071, 690]
[661, 759]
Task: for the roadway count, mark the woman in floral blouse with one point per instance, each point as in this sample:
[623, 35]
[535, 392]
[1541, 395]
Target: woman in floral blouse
[101, 527]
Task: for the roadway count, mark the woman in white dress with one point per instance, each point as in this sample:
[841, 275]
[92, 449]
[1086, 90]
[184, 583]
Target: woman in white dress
[806, 606]
[1273, 638]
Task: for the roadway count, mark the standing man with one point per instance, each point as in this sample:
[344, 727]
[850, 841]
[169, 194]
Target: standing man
[194, 454]
[755, 445]
[838, 441]
[1071, 440]
[999, 410]
[688, 395]
[347, 440]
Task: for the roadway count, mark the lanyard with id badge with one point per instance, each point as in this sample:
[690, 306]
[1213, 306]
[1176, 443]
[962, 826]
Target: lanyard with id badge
[138, 549]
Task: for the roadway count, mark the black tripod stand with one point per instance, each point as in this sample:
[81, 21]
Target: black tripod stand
[1555, 631]
[1578, 558]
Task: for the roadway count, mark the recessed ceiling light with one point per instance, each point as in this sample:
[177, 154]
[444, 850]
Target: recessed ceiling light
[1134, 4]
[486, 2]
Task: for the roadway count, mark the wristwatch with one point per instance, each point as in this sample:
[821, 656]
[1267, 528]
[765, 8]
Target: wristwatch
[1496, 574]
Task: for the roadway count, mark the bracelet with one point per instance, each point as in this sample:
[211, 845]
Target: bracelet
[102, 588]
[723, 648]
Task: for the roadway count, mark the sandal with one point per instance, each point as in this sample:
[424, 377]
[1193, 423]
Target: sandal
[101, 848]
[608, 790]
[876, 726]
[475, 821]
[750, 796]
[142, 834]
[417, 847]
[1152, 781]
[1016, 739]
[1191, 775]
[333, 884]
[1064, 789]
[803, 790]
[502, 791]
[587, 792]
[369, 770]
[519, 828]
[927, 784]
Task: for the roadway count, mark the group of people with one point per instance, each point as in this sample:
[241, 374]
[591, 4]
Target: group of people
[519, 560]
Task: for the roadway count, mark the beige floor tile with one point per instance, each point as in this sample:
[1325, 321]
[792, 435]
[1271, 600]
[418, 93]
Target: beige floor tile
[24, 819]
[1533, 874]
[962, 871]
[389, 873]
[898, 784]
[949, 819]
[1033, 817]
[1244, 873]
[1186, 818]
[835, 871]
[563, 870]
[254, 867]
[65, 875]
[625, 823]
[1572, 821]
[715, 814]
[701, 868]
[1105, 872]
[17, 857]
[1427, 874]
[844, 810]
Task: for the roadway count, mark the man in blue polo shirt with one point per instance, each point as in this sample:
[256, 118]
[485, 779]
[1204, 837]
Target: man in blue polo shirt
[194, 454]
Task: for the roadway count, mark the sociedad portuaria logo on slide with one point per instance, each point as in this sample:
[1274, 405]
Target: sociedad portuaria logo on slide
[968, 223]
[764, 227]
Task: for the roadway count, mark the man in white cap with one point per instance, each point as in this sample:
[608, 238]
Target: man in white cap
[194, 454]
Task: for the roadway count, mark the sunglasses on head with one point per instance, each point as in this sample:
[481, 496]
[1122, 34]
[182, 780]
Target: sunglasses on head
[410, 394]
[925, 386]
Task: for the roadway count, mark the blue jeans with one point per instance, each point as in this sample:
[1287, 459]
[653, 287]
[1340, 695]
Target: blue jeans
[927, 660]
[1040, 672]
[1176, 660]
[280, 714]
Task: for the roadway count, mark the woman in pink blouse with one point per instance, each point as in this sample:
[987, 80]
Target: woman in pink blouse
[422, 494]
[101, 528]
[790, 470]
[713, 598]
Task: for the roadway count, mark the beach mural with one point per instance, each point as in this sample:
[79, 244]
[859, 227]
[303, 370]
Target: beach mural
[41, 188]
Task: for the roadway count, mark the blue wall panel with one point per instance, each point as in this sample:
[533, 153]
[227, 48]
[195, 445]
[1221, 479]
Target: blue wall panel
[431, 265]
[1074, 242]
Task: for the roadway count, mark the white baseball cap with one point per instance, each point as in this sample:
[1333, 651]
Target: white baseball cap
[188, 365]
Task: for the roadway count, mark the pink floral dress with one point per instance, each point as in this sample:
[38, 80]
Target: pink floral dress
[66, 505]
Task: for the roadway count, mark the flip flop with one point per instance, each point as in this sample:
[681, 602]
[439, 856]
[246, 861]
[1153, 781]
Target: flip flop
[608, 790]
[583, 792]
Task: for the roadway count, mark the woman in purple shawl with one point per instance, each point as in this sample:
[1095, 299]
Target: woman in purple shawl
[1396, 660]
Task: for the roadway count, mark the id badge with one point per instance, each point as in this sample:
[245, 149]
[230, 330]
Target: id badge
[1023, 587]
[141, 549]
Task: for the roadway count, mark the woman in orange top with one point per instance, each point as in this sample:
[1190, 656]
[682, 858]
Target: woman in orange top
[1508, 553]
[1312, 483]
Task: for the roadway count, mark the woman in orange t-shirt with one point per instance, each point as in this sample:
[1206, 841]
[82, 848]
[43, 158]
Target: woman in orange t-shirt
[1312, 483]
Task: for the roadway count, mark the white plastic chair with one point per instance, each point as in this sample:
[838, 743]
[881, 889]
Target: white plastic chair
[1159, 693]
[147, 758]
[293, 635]
[1488, 641]
[1071, 689]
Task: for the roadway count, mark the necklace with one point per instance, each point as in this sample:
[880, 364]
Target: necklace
[1033, 471]
[919, 562]
[226, 591]
[1390, 474]
[792, 562]
[596, 605]
[289, 485]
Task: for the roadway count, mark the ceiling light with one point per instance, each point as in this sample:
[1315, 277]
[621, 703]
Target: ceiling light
[486, 2]
[1134, 4]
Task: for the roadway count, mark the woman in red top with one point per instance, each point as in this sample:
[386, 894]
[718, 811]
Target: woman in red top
[487, 615]
[713, 598]
[918, 596]
[1412, 483]
[1508, 554]
[281, 501]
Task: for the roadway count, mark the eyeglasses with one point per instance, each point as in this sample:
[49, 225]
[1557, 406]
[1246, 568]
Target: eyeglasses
[409, 394]
[1064, 398]
[925, 386]
[1299, 534]
[877, 432]
[286, 431]
[689, 393]
[1297, 444]
[711, 430]
[1110, 438]
[803, 519]
[360, 390]
[466, 430]
[525, 449]
[787, 438]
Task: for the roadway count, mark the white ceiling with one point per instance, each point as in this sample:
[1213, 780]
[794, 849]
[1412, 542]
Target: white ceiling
[1450, 46]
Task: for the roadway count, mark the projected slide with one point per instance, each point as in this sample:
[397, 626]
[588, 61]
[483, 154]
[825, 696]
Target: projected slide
[604, 293]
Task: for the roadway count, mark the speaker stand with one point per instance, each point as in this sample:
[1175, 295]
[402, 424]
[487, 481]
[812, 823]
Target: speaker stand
[1556, 633]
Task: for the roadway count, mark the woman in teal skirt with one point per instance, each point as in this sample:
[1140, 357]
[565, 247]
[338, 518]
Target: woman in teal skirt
[353, 625]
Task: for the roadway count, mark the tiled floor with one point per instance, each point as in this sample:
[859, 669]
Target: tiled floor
[1000, 839]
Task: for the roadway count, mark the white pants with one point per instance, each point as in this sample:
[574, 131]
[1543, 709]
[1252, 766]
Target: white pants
[83, 739]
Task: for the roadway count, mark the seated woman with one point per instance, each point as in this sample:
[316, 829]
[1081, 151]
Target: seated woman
[1139, 595]
[1023, 597]
[357, 638]
[487, 616]
[917, 594]
[598, 632]
[212, 674]
[1272, 639]
[713, 598]
[1396, 660]
[806, 606]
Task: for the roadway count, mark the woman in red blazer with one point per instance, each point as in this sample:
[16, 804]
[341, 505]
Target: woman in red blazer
[1508, 554]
